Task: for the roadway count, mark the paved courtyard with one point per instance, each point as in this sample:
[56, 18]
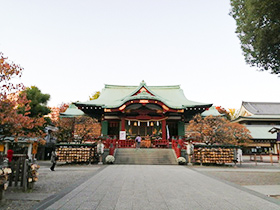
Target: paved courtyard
[156, 187]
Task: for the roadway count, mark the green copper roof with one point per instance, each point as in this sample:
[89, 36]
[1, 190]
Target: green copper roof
[72, 111]
[211, 111]
[261, 132]
[113, 96]
[257, 118]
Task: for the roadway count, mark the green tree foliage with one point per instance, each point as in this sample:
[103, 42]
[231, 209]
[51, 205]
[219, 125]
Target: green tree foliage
[258, 28]
[38, 102]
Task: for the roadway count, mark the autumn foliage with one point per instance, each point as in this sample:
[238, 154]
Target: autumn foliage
[14, 107]
[222, 110]
[8, 71]
[87, 128]
[218, 130]
[80, 128]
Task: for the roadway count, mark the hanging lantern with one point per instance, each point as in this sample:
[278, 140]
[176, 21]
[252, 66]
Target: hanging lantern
[138, 123]
[152, 124]
[135, 124]
[157, 123]
[128, 122]
[148, 123]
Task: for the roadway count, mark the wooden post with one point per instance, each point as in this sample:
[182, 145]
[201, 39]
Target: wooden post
[24, 179]
[17, 172]
[163, 129]
[22, 171]
[255, 158]
[6, 148]
[11, 175]
[271, 159]
[122, 124]
[29, 151]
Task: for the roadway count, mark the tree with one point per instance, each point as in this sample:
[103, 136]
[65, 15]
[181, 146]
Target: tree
[218, 130]
[238, 134]
[65, 129]
[8, 71]
[38, 102]
[258, 26]
[95, 96]
[233, 113]
[222, 110]
[86, 128]
[76, 128]
[65, 125]
[12, 121]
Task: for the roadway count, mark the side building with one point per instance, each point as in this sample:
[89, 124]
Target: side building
[157, 111]
[259, 118]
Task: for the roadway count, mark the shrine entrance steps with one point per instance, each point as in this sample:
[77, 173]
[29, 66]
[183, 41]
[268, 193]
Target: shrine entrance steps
[145, 156]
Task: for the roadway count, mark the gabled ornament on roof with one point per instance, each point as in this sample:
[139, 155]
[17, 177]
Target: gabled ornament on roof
[143, 90]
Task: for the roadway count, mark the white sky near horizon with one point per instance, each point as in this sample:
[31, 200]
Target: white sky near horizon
[70, 49]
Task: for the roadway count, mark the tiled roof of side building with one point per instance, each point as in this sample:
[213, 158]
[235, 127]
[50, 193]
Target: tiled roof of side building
[262, 108]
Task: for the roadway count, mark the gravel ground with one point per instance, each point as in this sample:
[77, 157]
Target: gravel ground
[49, 183]
[248, 177]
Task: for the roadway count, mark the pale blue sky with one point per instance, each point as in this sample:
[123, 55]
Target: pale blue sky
[70, 49]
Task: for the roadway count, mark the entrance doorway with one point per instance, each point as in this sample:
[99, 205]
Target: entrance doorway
[142, 129]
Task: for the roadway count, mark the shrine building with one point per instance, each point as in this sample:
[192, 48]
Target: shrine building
[157, 111]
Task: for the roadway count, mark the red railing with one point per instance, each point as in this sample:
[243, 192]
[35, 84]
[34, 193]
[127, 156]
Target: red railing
[126, 143]
[178, 145]
[161, 143]
[112, 144]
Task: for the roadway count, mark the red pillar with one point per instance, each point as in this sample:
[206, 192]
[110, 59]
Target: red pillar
[163, 129]
[122, 124]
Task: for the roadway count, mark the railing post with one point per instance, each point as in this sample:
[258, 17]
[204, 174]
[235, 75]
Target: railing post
[255, 158]
[24, 179]
[17, 172]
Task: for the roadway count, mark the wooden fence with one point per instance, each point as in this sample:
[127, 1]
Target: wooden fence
[21, 172]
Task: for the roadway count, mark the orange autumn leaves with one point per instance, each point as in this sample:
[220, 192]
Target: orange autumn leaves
[8, 71]
[14, 107]
[218, 130]
[82, 128]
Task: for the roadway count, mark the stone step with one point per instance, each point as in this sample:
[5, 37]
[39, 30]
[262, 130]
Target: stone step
[145, 156]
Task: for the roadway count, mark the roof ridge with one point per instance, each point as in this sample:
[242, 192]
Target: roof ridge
[260, 102]
[150, 86]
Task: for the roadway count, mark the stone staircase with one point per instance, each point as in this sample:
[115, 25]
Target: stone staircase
[145, 156]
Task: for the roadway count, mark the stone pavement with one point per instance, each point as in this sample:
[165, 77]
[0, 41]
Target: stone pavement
[270, 190]
[157, 187]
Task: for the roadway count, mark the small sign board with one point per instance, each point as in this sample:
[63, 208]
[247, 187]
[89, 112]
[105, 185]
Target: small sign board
[122, 135]
[1, 148]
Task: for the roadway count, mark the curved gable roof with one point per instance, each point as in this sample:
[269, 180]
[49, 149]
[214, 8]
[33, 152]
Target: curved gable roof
[211, 111]
[113, 96]
[72, 111]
